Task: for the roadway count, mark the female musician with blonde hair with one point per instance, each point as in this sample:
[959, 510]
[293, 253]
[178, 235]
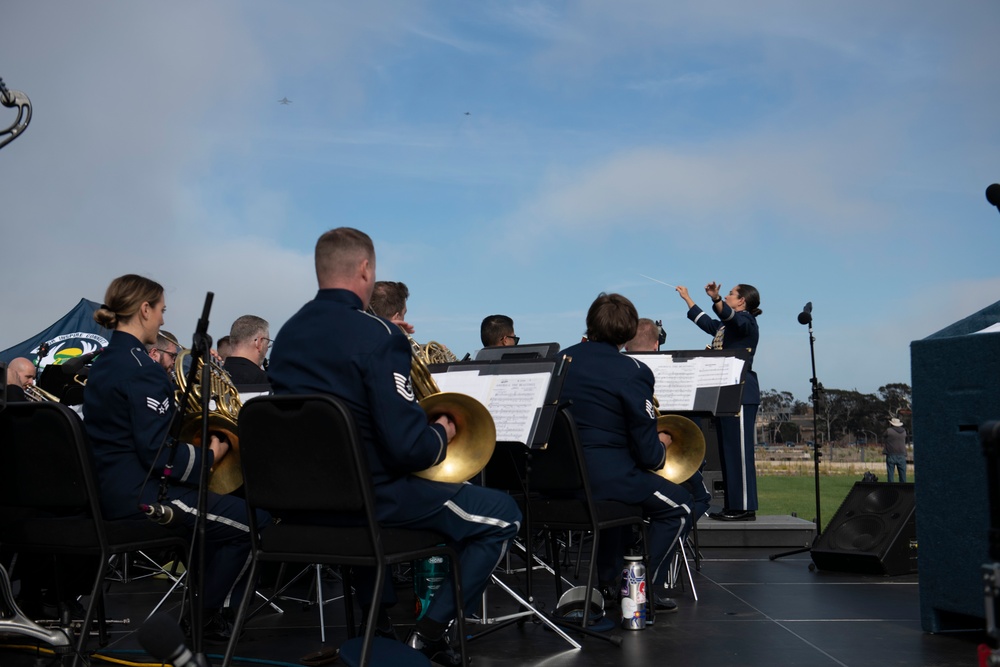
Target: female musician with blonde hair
[129, 404]
[735, 328]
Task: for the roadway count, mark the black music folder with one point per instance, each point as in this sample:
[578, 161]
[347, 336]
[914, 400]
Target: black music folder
[521, 395]
[705, 381]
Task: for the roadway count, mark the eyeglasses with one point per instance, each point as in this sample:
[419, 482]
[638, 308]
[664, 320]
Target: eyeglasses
[270, 342]
[172, 354]
[516, 339]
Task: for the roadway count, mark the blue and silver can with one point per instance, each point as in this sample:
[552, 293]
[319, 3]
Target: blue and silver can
[633, 592]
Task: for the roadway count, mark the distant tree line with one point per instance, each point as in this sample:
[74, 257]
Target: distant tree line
[844, 416]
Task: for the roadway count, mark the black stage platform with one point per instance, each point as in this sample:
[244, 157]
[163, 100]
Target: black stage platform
[750, 611]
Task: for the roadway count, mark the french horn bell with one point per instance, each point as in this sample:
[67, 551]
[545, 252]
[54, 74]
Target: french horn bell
[686, 451]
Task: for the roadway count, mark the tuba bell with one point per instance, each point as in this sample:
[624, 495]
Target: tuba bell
[224, 408]
[687, 448]
[475, 433]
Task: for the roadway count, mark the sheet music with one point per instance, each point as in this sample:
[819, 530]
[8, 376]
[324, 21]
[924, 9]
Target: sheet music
[678, 380]
[513, 400]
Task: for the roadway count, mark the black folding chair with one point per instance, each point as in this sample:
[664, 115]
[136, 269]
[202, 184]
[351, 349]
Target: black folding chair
[49, 502]
[565, 502]
[301, 456]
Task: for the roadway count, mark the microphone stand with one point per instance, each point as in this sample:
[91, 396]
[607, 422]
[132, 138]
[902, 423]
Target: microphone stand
[201, 349]
[817, 454]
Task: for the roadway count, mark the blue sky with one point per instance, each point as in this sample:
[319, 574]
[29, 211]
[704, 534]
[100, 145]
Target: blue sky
[517, 158]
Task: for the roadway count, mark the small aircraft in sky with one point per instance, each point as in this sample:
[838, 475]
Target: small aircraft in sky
[284, 100]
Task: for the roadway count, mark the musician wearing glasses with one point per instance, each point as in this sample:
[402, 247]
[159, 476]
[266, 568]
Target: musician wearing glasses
[250, 341]
[365, 361]
[611, 400]
[165, 351]
[734, 327]
[129, 404]
[498, 331]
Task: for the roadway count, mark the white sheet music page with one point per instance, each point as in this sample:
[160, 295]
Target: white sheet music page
[513, 400]
[678, 380]
[515, 403]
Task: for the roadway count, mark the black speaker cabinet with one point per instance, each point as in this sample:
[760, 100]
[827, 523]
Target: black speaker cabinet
[873, 532]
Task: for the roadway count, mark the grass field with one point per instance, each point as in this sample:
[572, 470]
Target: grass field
[786, 495]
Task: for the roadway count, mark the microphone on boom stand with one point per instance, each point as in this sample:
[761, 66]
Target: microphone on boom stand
[805, 317]
[993, 195]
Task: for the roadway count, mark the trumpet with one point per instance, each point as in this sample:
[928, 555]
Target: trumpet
[687, 448]
[475, 432]
[35, 393]
[224, 408]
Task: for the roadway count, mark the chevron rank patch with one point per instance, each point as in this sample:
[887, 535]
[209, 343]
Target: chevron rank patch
[403, 386]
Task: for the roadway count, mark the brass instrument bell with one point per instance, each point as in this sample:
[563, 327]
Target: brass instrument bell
[686, 451]
[224, 407]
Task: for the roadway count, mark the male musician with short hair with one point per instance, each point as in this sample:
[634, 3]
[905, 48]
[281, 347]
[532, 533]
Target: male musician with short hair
[249, 337]
[647, 337]
[224, 348]
[389, 301]
[164, 351]
[497, 331]
[611, 399]
[20, 374]
[365, 361]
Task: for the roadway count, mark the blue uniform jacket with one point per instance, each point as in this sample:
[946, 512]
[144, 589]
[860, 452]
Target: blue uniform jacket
[611, 396]
[741, 333]
[332, 346]
[128, 406]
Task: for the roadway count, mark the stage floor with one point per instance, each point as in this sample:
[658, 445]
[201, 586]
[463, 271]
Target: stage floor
[750, 611]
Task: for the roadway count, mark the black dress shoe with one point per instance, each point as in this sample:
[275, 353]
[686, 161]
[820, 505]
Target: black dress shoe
[664, 605]
[610, 594]
[438, 651]
[734, 515]
[217, 629]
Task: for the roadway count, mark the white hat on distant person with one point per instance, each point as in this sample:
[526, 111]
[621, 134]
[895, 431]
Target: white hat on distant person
[895, 422]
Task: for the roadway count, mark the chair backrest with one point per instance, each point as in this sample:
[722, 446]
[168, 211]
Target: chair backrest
[301, 453]
[48, 471]
[560, 468]
[45, 460]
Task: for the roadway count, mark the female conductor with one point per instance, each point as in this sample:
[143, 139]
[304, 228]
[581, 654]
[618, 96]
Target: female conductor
[735, 328]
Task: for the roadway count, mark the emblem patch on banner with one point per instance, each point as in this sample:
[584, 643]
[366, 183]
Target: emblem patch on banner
[158, 406]
[403, 386]
[650, 410]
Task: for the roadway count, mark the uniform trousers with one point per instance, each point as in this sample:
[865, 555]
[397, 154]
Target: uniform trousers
[227, 542]
[478, 523]
[736, 457]
[669, 509]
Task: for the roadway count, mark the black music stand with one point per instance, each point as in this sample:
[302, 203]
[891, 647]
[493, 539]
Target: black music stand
[509, 468]
[518, 352]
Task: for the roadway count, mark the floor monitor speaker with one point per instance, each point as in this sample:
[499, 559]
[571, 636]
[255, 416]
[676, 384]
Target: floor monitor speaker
[873, 532]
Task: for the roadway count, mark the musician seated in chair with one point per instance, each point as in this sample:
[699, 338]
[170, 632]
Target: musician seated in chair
[389, 301]
[129, 404]
[250, 340]
[611, 399]
[20, 374]
[365, 361]
[164, 351]
[497, 331]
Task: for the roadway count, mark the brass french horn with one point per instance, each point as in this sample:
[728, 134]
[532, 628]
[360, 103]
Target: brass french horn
[224, 409]
[475, 433]
[687, 448]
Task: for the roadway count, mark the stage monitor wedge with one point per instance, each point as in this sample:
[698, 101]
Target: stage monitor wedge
[873, 532]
